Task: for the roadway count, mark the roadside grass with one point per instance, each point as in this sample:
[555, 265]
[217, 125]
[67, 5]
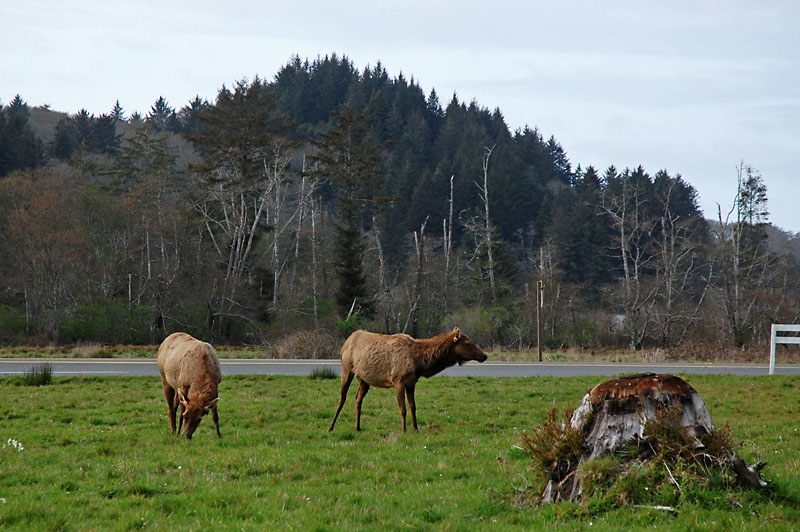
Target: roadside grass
[98, 454]
[39, 375]
[785, 354]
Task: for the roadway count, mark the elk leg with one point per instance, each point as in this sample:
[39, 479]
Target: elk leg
[400, 391]
[363, 388]
[412, 405]
[169, 393]
[347, 378]
[215, 417]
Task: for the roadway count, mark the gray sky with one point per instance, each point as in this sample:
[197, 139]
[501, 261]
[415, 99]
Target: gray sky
[693, 87]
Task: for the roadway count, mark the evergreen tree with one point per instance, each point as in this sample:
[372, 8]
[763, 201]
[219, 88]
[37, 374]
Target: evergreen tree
[350, 159]
[104, 137]
[117, 113]
[65, 140]
[162, 117]
[188, 115]
[582, 235]
[19, 146]
[82, 124]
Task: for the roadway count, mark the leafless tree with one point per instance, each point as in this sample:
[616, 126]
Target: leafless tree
[447, 244]
[481, 230]
[678, 265]
[745, 264]
[416, 295]
[624, 205]
[484, 195]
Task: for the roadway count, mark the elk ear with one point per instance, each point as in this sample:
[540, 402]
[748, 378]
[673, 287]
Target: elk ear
[182, 399]
[456, 334]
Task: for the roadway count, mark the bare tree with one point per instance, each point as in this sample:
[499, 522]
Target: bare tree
[49, 261]
[384, 287]
[275, 171]
[480, 228]
[447, 244]
[678, 266]
[484, 195]
[745, 264]
[623, 203]
[416, 296]
[243, 170]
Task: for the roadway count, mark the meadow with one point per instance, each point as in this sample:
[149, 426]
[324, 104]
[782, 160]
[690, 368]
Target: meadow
[96, 453]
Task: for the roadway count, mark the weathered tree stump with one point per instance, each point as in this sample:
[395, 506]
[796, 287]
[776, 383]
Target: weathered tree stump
[613, 416]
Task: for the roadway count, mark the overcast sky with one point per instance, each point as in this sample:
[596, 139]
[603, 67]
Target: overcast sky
[693, 87]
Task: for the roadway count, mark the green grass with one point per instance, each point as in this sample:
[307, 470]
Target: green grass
[98, 455]
[39, 375]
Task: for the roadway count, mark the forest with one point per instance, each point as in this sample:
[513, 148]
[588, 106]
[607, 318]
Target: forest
[289, 212]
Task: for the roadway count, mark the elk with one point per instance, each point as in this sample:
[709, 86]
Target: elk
[398, 361]
[190, 374]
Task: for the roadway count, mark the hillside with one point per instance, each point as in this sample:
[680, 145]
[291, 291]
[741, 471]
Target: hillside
[330, 198]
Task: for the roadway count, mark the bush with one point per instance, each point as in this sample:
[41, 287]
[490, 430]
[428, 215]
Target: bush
[554, 446]
[13, 325]
[487, 327]
[312, 344]
[107, 321]
[349, 325]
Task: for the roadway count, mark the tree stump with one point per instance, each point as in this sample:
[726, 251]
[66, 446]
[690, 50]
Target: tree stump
[613, 416]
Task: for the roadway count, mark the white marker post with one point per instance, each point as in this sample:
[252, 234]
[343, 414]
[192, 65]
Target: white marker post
[775, 339]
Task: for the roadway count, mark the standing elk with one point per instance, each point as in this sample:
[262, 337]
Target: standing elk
[398, 361]
[190, 375]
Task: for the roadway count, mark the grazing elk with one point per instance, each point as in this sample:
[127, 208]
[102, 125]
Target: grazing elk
[398, 361]
[190, 375]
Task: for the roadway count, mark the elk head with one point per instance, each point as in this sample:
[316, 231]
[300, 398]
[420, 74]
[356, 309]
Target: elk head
[464, 349]
[193, 412]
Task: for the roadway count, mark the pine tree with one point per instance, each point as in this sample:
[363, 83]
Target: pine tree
[350, 159]
[19, 146]
[65, 140]
[162, 117]
[188, 115]
[117, 113]
[104, 137]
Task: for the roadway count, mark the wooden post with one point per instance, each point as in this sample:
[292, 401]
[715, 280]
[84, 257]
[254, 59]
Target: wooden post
[539, 303]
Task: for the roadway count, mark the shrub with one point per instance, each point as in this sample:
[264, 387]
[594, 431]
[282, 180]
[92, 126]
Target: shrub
[482, 325]
[554, 446]
[349, 325]
[91, 350]
[109, 321]
[312, 344]
[39, 375]
[13, 325]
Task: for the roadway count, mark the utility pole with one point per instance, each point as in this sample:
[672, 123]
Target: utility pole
[539, 304]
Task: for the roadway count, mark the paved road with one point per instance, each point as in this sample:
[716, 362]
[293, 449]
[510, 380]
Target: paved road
[143, 367]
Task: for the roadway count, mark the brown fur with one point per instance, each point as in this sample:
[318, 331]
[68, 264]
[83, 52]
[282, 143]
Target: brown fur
[398, 361]
[190, 374]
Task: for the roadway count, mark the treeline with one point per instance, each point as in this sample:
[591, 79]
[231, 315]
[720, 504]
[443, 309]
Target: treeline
[330, 198]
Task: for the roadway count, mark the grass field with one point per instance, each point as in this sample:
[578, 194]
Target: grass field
[96, 454]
